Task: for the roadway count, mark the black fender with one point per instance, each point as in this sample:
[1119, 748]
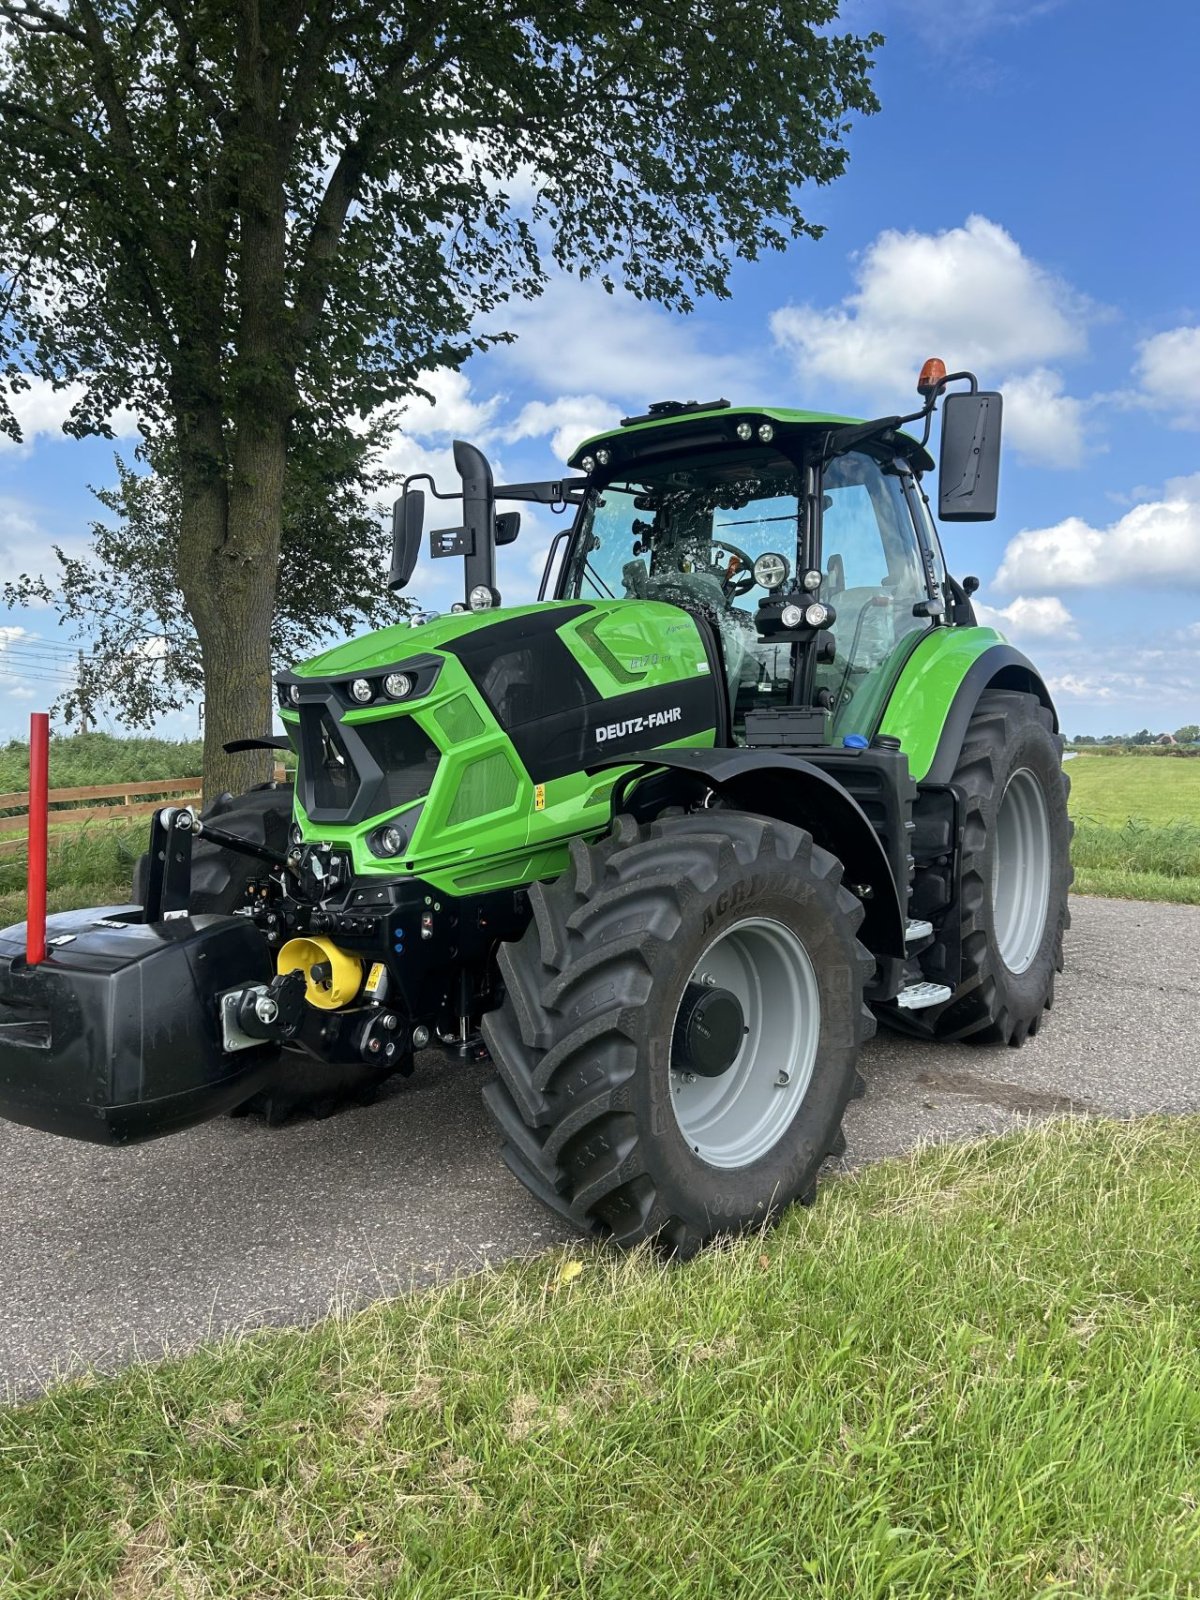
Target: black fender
[999, 667]
[776, 784]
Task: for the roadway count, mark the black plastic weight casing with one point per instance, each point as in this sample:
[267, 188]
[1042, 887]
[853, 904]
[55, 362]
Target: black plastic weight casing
[116, 1037]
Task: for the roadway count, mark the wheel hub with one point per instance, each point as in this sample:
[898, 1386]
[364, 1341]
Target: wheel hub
[709, 1031]
[744, 1043]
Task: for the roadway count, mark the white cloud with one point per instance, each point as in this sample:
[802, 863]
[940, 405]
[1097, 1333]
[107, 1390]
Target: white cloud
[1157, 542]
[22, 692]
[451, 410]
[619, 348]
[1073, 686]
[947, 23]
[1040, 617]
[571, 419]
[969, 295]
[1043, 424]
[25, 545]
[42, 409]
[1168, 370]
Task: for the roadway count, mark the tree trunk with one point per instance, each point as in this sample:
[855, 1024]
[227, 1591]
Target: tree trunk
[228, 566]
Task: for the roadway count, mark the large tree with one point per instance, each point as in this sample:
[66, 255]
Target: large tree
[227, 214]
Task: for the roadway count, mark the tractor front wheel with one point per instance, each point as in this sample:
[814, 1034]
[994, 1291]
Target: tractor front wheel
[680, 1030]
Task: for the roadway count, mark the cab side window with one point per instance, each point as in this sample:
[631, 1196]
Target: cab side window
[874, 576]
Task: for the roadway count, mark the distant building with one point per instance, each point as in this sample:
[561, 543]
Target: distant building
[1166, 738]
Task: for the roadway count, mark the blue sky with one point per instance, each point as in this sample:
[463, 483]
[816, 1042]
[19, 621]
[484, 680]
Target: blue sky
[1027, 203]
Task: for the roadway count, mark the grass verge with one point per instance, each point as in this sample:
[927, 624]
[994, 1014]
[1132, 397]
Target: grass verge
[81, 759]
[1137, 827]
[1139, 861]
[970, 1372]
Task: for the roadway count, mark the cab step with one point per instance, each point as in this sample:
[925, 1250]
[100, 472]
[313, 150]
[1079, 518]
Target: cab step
[919, 996]
[916, 928]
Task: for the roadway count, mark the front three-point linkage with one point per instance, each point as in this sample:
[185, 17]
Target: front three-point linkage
[169, 885]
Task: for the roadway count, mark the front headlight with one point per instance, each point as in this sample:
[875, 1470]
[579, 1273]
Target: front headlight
[387, 841]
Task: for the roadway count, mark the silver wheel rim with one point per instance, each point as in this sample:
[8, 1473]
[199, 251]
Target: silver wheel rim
[1021, 871]
[734, 1119]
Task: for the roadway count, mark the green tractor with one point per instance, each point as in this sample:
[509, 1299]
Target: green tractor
[662, 846]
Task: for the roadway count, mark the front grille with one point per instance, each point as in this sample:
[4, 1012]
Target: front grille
[330, 769]
[351, 771]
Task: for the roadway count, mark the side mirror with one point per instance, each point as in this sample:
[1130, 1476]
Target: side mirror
[969, 473]
[508, 526]
[408, 523]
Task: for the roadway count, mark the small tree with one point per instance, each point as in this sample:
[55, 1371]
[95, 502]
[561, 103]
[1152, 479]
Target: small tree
[1189, 733]
[230, 215]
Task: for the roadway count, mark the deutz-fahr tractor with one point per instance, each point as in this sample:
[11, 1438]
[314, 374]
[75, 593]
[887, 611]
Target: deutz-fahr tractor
[662, 846]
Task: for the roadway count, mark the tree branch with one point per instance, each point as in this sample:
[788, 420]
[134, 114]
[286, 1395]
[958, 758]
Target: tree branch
[34, 18]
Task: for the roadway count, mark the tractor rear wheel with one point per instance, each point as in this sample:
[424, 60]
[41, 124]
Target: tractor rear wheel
[681, 1027]
[1015, 874]
[220, 877]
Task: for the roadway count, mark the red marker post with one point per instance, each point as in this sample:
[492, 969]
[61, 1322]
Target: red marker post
[39, 807]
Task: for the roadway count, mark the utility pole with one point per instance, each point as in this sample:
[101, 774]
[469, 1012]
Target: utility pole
[84, 714]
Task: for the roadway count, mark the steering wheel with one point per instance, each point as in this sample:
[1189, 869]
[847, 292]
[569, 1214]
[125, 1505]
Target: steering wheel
[735, 580]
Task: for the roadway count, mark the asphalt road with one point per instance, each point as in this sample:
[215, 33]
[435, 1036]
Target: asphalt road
[111, 1255]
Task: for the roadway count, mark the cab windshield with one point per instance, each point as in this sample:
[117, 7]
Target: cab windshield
[692, 536]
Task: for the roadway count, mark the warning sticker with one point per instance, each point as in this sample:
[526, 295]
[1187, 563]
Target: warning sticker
[375, 976]
[539, 797]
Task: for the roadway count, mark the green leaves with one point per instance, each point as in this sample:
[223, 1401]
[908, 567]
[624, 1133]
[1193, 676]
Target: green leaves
[339, 179]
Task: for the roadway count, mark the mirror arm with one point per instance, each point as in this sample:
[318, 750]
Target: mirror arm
[424, 477]
[552, 492]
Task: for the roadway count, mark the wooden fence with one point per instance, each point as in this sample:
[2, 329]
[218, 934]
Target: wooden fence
[69, 807]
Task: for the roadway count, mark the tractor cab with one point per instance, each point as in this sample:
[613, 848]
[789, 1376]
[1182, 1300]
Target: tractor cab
[735, 535]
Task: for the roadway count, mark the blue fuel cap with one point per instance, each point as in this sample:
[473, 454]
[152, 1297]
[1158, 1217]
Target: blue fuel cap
[856, 741]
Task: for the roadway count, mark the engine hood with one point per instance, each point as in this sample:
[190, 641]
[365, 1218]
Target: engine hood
[392, 646]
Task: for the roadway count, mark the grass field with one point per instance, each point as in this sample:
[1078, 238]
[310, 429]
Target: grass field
[972, 1372]
[1137, 827]
[1148, 789]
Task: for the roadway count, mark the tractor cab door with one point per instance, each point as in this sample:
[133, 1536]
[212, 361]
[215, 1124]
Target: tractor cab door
[875, 579]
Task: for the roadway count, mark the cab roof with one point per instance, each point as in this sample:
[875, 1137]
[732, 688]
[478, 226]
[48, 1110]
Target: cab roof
[673, 425]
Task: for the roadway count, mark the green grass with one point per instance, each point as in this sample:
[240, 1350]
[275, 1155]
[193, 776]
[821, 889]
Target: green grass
[1137, 827]
[970, 1372]
[88, 866]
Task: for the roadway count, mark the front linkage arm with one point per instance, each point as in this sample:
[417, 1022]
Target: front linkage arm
[172, 830]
